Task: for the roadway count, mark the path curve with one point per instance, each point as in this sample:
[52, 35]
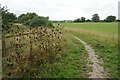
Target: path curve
[97, 69]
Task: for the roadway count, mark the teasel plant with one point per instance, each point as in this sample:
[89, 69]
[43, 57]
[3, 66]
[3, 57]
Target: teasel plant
[31, 51]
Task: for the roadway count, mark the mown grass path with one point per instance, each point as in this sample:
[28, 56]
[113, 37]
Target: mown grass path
[97, 69]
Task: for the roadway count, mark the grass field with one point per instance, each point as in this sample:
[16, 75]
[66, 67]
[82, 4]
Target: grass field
[72, 62]
[103, 38]
[106, 28]
[67, 60]
[64, 56]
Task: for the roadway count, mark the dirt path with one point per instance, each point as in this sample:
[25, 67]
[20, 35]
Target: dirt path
[97, 69]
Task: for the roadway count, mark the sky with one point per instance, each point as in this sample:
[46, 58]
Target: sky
[64, 9]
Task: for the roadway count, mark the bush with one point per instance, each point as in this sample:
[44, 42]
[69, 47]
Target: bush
[40, 21]
[50, 24]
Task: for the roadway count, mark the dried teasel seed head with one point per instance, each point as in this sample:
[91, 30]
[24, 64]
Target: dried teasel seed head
[17, 39]
[12, 30]
[53, 26]
[30, 42]
[48, 35]
[52, 30]
[11, 23]
[60, 32]
[36, 27]
[29, 36]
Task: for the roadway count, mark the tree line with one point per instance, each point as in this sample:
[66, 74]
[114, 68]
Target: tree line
[96, 18]
[31, 19]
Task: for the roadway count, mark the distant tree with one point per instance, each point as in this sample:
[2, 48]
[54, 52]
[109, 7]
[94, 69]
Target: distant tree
[118, 20]
[87, 20]
[95, 18]
[82, 19]
[7, 17]
[110, 19]
[77, 20]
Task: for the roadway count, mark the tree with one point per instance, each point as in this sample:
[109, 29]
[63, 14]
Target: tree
[39, 21]
[87, 20]
[110, 19]
[82, 19]
[95, 18]
[25, 18]
[7, 17]
[118, 20]
[77, 20]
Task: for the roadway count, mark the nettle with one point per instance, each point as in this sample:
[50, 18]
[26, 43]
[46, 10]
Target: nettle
[27, 50]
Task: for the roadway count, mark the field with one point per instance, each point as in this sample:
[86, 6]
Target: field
[55, 53]
[103, 38]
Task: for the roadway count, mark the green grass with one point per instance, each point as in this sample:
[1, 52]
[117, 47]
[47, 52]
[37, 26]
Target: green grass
[70, 60]
[72, 63]
[107, 28]
[103, 38]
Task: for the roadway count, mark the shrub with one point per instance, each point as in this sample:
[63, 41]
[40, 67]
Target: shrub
[50, 24]
[38, 21]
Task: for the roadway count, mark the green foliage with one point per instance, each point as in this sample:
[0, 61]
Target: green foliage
[110, 19]
[38, 21]
[25, 18]
[82, 19]
[77, 20]
[7, 17]
[33, 20]
[87, 20]
[50, 24]
[95, 18]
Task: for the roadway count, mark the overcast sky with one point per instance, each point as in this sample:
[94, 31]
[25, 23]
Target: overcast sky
[64, 9]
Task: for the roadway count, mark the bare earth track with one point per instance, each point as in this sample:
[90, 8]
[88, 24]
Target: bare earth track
[97, 69]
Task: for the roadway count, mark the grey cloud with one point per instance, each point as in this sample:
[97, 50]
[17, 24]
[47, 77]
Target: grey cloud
[64, 9]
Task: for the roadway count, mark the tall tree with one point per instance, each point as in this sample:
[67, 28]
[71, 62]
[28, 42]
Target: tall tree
[87, 20]
[7, 17]
[82, 19]
[110, 18]
[77, 20]
[95, 18]
[25, 18]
